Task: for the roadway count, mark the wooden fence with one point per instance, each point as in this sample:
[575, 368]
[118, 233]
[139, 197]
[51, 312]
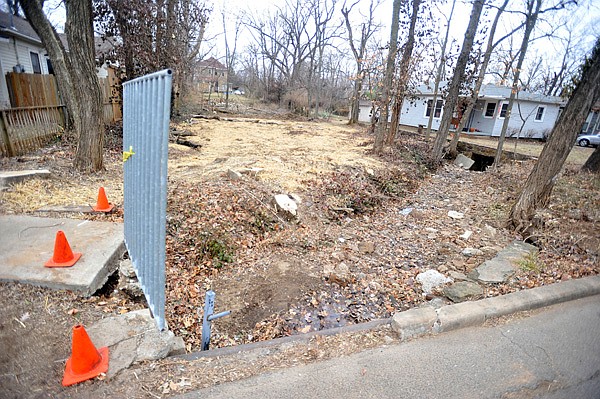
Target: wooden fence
[37, 115]
[29, 128]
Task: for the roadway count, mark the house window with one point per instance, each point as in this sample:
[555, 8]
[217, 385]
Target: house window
[503, 110]
[438, 108]
[35, 62]
[539, 115]
[490, 110]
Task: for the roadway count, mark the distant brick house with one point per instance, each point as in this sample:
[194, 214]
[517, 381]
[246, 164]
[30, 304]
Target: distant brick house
[212, 76]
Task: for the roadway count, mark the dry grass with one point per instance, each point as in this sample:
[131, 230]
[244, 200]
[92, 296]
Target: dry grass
[288, 152]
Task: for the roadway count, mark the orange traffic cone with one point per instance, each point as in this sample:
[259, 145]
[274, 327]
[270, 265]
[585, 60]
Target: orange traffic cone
[86, 361]
[63, 256]
[102, 204]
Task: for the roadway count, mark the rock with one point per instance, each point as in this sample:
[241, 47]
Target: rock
[286, 204]
[126, 269]
[296, 198]
[234, 174]
[501, 267]
[442, 269]
[366, 247]
[490, 190]
[457, 276]
[468, 252]
[128, 281]
[466, 235]
[250, 171]
[456, 215]
[463, 161]
[338, 256]
[406, 211]
[133, 337]
[490, 231]
[463, 290]
[431, 230]
[340, 274]
[431, 279]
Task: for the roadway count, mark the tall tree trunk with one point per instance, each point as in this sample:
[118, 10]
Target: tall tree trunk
[382, 124]
[531, 19]
[438, 75]
[457, 79]
[538, 187]
[592, 164]
[404, 73]
[481, 75]
[89, 125]
[84, 102]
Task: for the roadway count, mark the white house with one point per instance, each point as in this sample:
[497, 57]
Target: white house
[21, 50]
[592, 122]
[533, 115]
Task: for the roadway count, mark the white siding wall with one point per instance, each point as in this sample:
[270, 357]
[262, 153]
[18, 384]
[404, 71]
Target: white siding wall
[479, 121]
[532, 128]
[413, 114]
[11, 55]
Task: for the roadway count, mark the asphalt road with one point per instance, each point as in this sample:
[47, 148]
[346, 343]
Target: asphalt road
[553, 354]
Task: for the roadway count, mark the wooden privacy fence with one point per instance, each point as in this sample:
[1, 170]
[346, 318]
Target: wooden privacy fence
[38, 114]
[28, 128]
[32, 90]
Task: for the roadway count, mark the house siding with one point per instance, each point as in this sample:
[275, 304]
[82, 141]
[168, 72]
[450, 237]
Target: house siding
[532, 128]
[413, 113]
[11, 55]
[481, 124]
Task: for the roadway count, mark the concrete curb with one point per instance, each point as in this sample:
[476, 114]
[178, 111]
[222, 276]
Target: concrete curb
[416, 322]
[426, 320]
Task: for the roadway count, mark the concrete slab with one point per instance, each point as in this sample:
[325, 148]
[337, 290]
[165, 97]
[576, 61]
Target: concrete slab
[11, 177]
[27, 242]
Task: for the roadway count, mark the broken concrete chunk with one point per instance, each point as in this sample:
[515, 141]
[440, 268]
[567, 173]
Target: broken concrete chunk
[8, 178]
[466, 235]
[234, 174]
[463, 161]
[462, 291]
[472, 252]
[431, 279]
[286, 204]
[455, 215]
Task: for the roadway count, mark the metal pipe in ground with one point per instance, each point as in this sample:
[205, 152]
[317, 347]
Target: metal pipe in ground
[209, 307]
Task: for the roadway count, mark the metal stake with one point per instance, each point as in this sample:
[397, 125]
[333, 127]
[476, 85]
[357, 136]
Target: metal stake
[209, 306]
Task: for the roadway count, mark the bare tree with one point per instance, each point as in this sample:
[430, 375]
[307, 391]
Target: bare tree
[75, 74]
[457, 79]
[230, 53]
[538, 187]
[440, 70]
[382, 124]
[491, 45]
[403, 75]
[359, 51]
[592, 164]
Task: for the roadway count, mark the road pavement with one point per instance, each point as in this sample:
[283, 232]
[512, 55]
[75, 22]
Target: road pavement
[554, 354]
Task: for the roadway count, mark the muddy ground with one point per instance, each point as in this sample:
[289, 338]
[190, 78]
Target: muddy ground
[350, 256]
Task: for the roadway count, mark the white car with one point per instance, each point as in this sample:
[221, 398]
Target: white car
[588, 139]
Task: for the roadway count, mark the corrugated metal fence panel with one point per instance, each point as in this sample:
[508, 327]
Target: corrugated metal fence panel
[146, 111]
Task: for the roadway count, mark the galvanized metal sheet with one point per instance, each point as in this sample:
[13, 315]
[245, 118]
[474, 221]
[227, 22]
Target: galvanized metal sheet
[146, 113]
